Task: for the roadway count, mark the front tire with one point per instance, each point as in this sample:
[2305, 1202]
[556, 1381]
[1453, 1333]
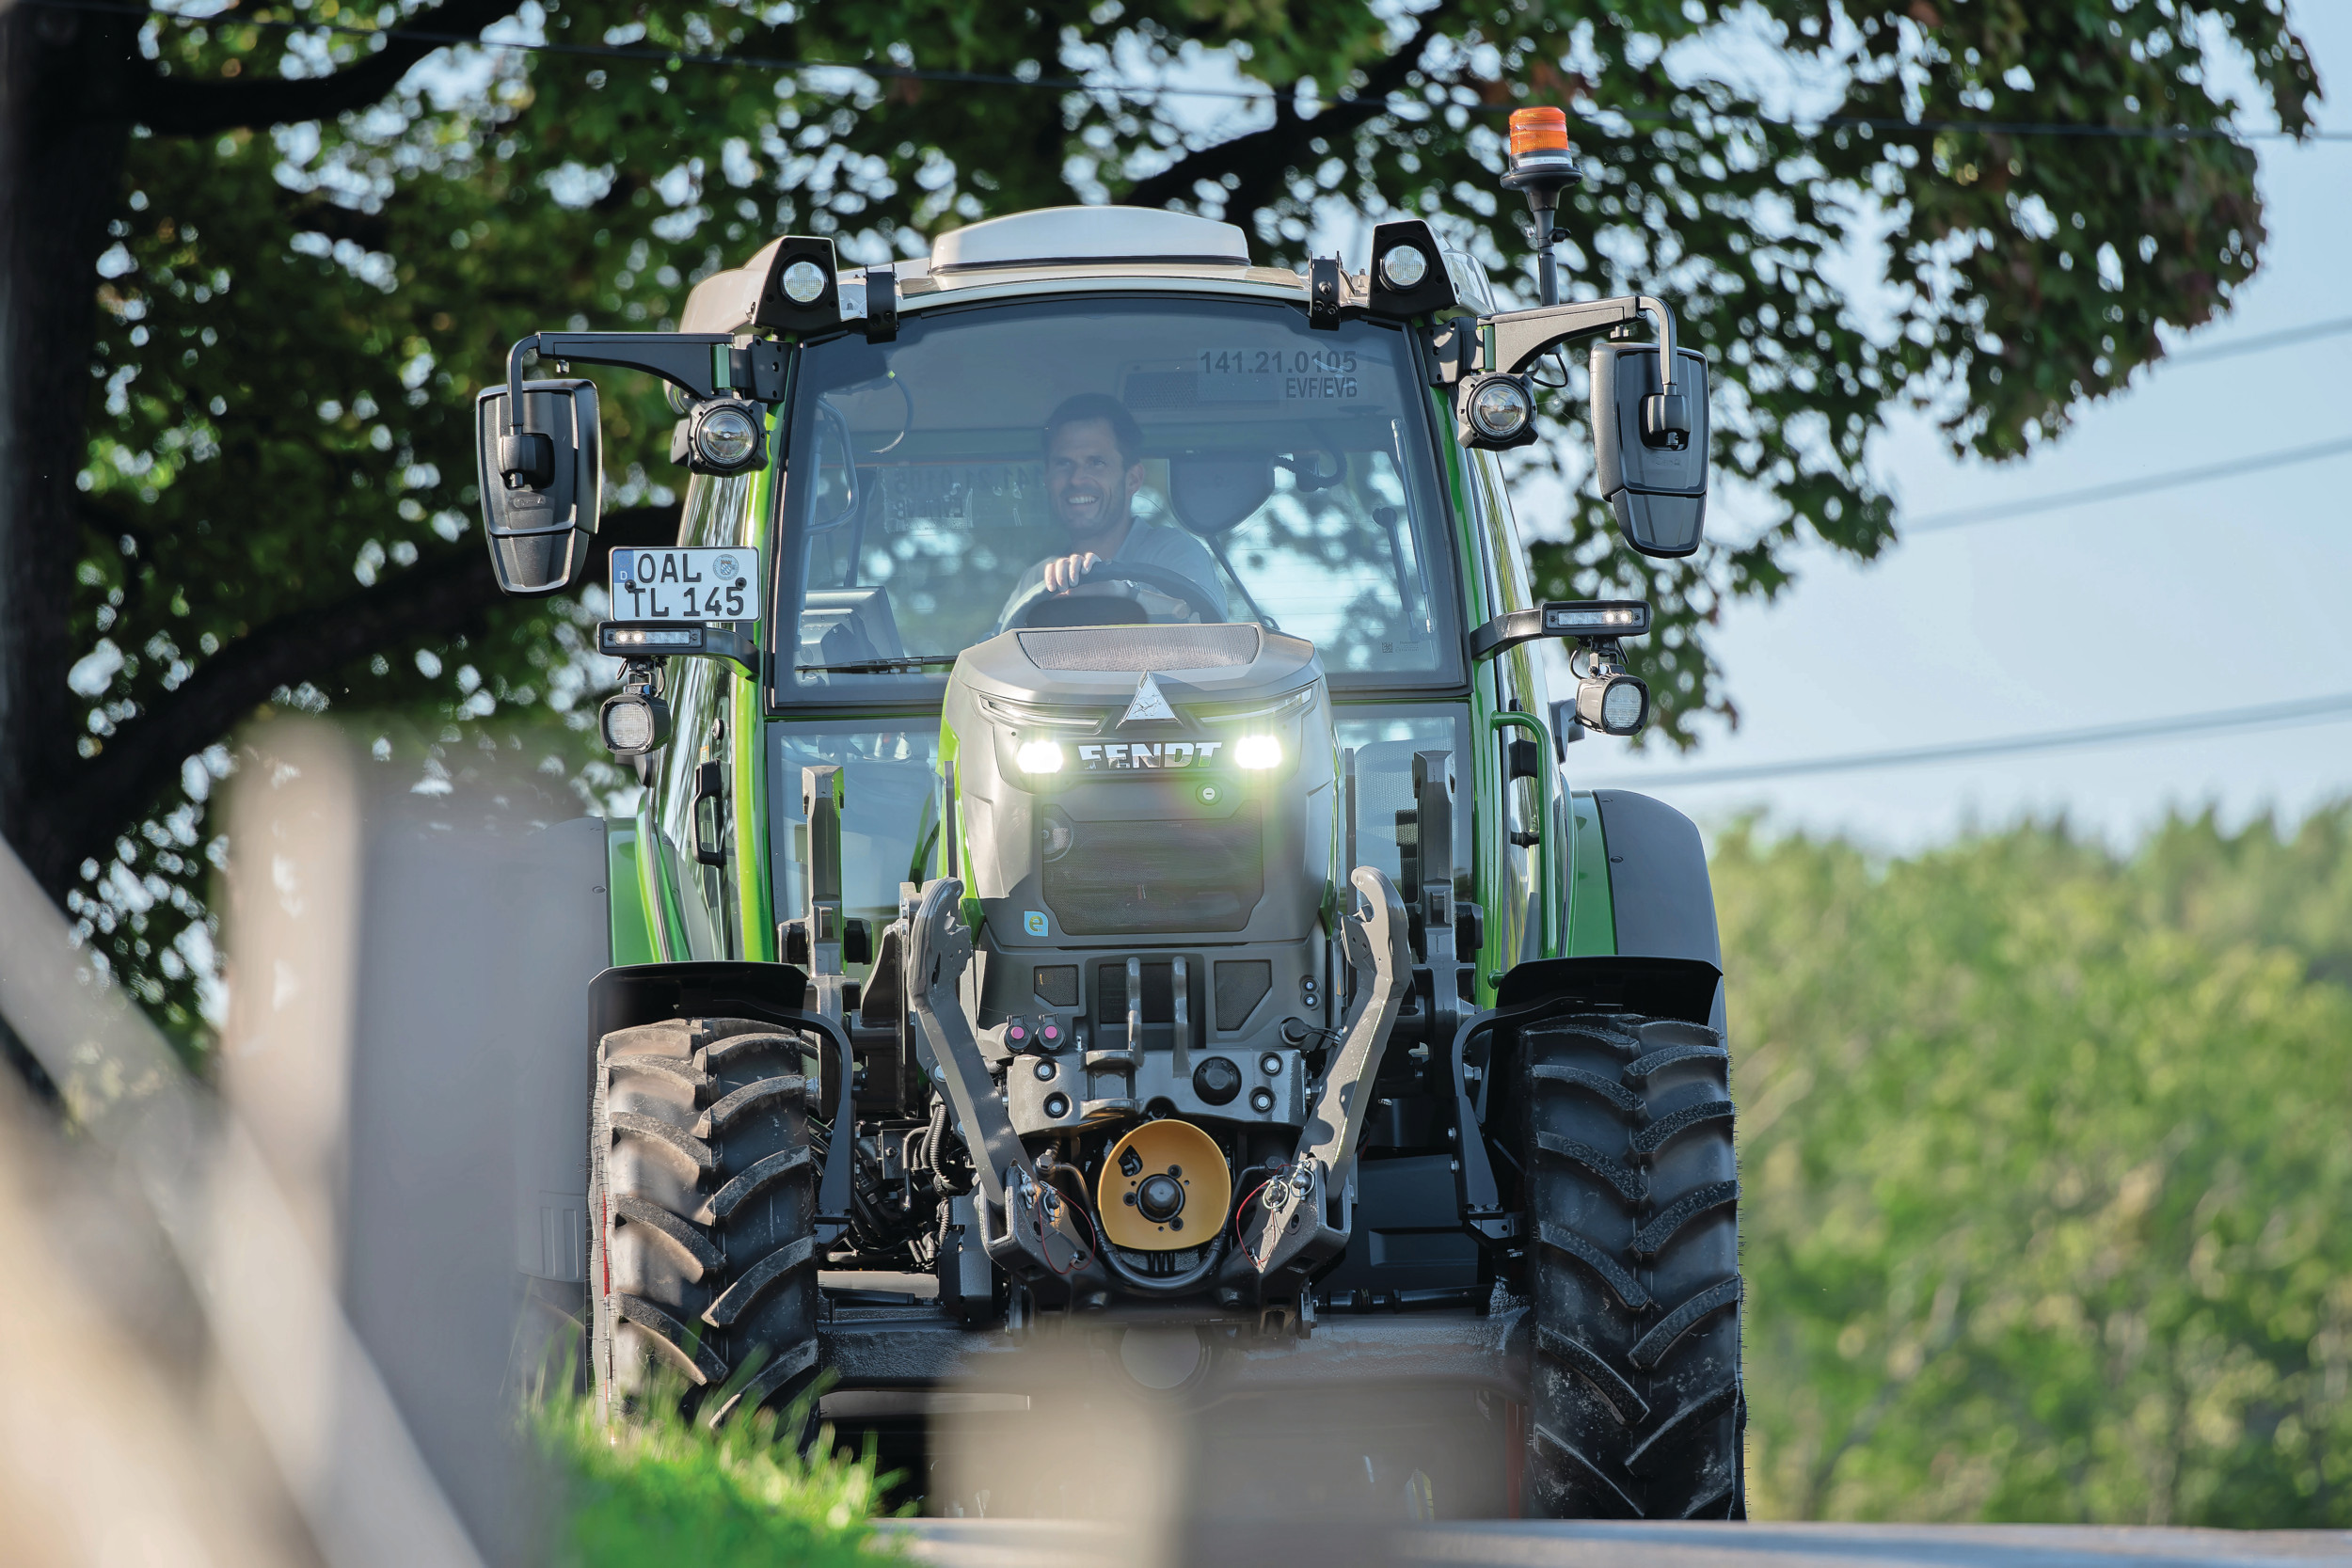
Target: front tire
[702, 1206]
[1636, 1405]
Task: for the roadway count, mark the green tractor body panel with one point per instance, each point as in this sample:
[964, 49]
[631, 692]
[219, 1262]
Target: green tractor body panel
[1591, 923]
[636, 921]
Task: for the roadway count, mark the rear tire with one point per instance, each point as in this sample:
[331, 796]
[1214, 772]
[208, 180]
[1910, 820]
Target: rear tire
[1636, 1405]
[703, 1204]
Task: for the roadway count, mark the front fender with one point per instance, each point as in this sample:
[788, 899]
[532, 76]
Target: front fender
[1669, 958]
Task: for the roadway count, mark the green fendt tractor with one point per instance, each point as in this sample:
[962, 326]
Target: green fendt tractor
[1104, 864]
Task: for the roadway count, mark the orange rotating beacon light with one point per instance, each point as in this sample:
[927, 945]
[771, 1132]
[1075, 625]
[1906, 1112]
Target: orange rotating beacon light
[1542, 165]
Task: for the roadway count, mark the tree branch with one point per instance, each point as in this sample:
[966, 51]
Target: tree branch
[1258, 158]
[439, 598]
[182, 106]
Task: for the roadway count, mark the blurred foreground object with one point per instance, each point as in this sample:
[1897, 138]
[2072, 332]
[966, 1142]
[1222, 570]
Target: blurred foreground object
[113, 1446]
[346, 1213]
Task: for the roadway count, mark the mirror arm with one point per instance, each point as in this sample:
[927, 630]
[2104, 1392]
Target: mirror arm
[705, 363]
[1516, 338]
[1506, 631]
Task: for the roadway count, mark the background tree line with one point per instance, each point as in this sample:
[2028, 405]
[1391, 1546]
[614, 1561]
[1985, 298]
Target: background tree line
[254, 265]
[2045, 1175]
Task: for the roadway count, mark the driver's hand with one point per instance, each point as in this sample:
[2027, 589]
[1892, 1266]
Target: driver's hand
[1063, 572]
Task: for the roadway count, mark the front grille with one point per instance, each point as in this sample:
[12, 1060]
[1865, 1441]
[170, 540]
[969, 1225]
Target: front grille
[1163, 875]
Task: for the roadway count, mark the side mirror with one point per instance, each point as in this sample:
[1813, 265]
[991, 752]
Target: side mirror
[1650, 472]
[542, 483]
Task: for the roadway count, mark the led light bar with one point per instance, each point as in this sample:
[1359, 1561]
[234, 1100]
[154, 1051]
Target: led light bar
[623, 640]
[643, 639]
[1586, 619]
[1597, 618]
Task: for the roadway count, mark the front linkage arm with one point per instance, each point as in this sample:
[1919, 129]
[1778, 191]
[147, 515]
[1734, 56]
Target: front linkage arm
[1293, 1229]
[1018, 1209]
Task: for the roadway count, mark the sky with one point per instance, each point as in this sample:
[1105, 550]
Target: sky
[2201, 599]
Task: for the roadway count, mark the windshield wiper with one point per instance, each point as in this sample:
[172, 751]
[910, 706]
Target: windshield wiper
[877, 666]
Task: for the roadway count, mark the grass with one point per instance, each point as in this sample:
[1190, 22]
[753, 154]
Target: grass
[660, 1487]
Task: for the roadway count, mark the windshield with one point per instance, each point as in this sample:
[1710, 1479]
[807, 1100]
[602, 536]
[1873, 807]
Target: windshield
[1216, 460]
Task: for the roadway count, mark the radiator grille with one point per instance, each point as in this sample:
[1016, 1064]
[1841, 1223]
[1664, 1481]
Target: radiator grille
[1159, 877]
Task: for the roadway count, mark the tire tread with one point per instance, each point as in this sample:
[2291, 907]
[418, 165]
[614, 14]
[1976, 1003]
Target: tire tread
[1632, 1215]
[703, 1216]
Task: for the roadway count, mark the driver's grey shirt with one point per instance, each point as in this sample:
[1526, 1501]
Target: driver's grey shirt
[1147, 545]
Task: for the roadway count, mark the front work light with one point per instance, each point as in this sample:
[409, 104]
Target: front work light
[1499, 410]
[802, 281]
[634, 723]
[800, 290]
[1257, 752]
[1409, 272]
[1612, 703]
[1403, 266]
[725, 438]
[1039, 756]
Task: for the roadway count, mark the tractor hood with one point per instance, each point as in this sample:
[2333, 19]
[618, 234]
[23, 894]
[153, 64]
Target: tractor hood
[1103, 668]
[1156, 783]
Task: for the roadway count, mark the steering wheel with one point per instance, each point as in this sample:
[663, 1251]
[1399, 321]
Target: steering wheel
[1160, 580]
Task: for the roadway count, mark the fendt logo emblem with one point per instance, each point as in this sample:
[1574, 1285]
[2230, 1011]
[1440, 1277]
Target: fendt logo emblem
[1149, 705]
[1127, 756]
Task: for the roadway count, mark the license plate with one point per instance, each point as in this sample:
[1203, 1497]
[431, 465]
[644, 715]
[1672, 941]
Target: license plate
[685, 585]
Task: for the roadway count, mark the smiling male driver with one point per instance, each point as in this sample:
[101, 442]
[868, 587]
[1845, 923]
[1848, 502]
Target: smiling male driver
[1093, 468]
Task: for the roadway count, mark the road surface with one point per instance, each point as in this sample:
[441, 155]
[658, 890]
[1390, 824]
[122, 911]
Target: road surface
[1526, 1543]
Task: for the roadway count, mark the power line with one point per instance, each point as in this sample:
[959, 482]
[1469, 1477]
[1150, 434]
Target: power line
[2257, 343]
[1386, 106]
[1937, 521]
[2306, 711]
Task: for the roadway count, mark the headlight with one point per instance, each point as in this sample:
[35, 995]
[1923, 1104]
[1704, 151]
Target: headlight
[802, 282]
[1500, 407]
[726, 435]
[634, 723]
[1039, 756]
[1257, 752]
[1403, 266]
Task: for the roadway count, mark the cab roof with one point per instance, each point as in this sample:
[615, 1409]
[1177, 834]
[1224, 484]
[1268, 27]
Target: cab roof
[1089, 234]
[1050, 251]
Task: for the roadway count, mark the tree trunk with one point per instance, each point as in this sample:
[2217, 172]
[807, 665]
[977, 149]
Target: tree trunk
[62, 143]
